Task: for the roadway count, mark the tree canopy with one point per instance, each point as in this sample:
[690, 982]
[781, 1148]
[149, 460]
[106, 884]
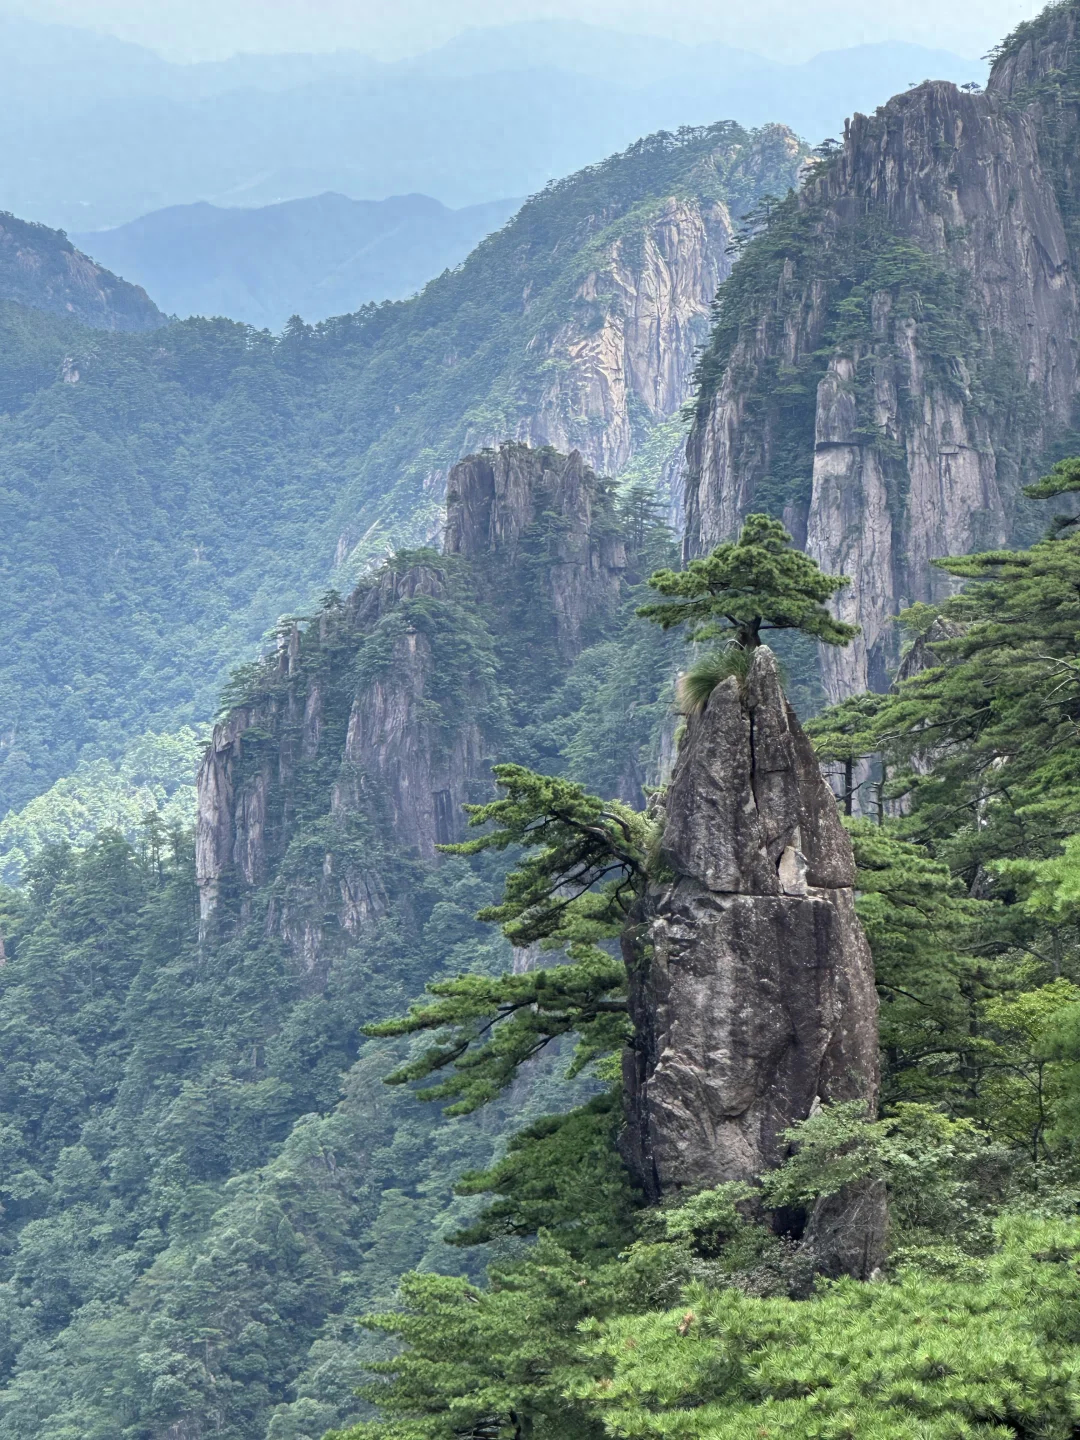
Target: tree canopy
[758, 582]
[584, 866]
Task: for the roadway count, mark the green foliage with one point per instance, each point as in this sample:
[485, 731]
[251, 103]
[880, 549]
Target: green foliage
[980, 745]
[156, 773]
[584, 867]
[163, 504]
[675, 1335]
[206, 1175]
[758, 582]
[578, 842]
[943, 1176]
[929, 941]
[698, 683]
[1063, 478]
[990, 1352]
[196, 1179]
[562, 1176]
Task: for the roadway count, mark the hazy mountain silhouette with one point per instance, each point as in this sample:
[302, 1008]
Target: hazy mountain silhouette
[326, 255]
[97, 132]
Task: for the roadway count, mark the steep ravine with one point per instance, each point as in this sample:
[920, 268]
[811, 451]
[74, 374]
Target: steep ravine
[576, 326]
[899, 347]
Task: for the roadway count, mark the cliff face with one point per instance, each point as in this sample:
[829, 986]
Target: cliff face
[40, 267]
[618, 369]
[900, 345]
[609, 383]
[574, 326]
[494, 498]
[382, 719]
[752, 987]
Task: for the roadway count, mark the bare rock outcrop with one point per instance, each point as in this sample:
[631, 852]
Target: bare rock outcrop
[752, 986]
[377, 739]
[492, 500]
[898, 428]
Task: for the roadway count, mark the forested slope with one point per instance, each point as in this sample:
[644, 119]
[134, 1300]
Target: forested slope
[166, 497]
[204, 1175]
[751, 1110]
[40, 267]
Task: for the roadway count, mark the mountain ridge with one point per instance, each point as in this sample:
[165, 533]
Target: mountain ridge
[41, 268]
[314, 123]
[918, 301]
[190, 486]
[318, 257]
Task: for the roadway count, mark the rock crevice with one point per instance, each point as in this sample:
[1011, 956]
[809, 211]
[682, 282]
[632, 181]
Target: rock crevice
[752, 987]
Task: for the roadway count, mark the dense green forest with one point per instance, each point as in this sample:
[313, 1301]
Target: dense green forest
[204, 1177]
[165, 497]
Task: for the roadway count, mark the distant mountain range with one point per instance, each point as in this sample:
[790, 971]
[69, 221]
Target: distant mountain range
[96, 132]
[317, 257]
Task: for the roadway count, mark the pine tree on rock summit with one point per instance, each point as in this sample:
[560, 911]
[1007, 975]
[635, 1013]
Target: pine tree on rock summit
[758, 582]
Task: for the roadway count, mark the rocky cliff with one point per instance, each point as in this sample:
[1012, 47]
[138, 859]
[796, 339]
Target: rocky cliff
[897, 349]
[752, 987]
[575, 326]
[380, 720]
[618, 364]
[610, 380]
[40, 267]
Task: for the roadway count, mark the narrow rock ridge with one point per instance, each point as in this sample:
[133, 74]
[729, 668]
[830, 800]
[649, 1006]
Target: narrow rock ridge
[384, 749]
[916, 443]
[752, 986]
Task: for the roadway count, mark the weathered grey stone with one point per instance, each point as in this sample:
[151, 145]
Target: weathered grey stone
[918, 469]
[752, 987]
[493, 498]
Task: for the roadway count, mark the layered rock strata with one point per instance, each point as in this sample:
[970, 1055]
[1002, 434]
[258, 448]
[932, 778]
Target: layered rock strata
[752, 987]
[913, 348]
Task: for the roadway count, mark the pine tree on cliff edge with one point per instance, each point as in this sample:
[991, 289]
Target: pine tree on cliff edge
[758, 582]
[584, 860]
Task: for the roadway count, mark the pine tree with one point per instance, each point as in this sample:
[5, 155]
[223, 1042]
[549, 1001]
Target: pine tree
[584, 867]
[758, 582]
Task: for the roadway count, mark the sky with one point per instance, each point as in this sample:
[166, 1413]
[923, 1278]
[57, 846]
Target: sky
[783, 29]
